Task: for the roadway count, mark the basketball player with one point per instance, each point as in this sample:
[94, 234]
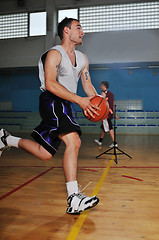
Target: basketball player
[59, 72]
[107, 122]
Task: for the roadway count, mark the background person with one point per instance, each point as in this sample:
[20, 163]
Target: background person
[107, 122]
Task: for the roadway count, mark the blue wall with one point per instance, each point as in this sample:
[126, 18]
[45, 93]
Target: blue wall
[21, 86]
[128, 84]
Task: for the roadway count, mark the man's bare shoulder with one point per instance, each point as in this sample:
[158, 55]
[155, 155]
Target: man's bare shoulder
[54, 52]
[55, 55]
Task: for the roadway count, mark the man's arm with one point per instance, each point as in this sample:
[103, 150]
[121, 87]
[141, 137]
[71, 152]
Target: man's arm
[104, 95]
[86, 81]
[52, 63]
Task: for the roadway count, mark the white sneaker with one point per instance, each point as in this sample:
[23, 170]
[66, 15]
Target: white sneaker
[97, 141]
[3, 140]
[112, 145]
[77, 202]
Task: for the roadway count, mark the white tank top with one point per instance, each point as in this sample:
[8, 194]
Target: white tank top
[68, 75]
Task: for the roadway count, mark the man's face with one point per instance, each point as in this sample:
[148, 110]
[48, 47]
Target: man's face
[75, 33]
[102, 87]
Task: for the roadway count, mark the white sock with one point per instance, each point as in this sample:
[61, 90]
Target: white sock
[72, 187]
[12, 141]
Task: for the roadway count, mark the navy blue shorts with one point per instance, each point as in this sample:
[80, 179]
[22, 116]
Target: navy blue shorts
[57, 118]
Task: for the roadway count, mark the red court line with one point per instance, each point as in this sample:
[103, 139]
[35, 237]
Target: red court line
[85, 167]
[136, 167]
[98, 167]
[79, 168]
[24, 184]
[122, 167]
[24, 166]
[138, 179]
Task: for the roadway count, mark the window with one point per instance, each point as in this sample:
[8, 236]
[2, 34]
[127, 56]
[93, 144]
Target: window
[70, 13]
[14, 25]
[37, 24]
[120, 17]
[128, 16]
[17, 25]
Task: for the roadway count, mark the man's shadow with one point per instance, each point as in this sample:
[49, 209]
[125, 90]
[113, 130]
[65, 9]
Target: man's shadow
[59, 228]
[54, 227]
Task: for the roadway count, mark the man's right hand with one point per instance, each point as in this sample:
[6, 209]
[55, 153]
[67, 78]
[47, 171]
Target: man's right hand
[87, 107]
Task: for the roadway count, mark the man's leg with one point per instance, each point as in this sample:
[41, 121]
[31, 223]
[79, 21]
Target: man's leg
[111, 132]
[7, 140]
[35, 149]
[102, 134]
[72, 143]
[77, 202]
[100, 141]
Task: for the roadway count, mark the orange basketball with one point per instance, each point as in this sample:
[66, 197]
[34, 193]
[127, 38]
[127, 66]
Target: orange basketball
[102, 103]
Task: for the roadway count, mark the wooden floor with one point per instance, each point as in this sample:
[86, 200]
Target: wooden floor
[33, 194]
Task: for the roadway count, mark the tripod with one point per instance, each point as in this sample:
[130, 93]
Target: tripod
[115, 153]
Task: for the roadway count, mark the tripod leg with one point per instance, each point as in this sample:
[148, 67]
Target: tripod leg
[114, 142]
[104, 153]
[116, 159]
[123, 152]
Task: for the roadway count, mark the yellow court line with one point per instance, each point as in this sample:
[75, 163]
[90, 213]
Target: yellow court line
[79, 223]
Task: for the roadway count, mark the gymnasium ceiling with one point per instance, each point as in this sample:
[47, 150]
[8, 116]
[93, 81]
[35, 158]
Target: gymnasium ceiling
[62, 4]
[78, 3]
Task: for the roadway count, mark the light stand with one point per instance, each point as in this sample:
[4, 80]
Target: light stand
[115, 153]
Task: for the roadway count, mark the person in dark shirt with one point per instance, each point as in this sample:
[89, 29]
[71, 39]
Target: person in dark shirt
[107, 122]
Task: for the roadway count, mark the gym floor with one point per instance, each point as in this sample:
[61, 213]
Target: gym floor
[33, 193]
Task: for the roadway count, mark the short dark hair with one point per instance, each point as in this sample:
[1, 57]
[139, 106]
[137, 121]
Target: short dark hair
[66, 22]
[106, 84]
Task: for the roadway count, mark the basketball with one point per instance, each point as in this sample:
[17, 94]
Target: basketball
[102, 103]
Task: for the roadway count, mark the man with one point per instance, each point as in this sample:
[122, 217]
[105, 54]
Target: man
[59, 71]
[107, 123]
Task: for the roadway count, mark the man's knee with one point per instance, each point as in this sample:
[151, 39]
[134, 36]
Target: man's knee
[72, 139]
[78, 143]
[45, 155]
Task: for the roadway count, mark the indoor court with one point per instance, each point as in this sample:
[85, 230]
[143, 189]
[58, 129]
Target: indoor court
[33, 194]
[120, 39]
